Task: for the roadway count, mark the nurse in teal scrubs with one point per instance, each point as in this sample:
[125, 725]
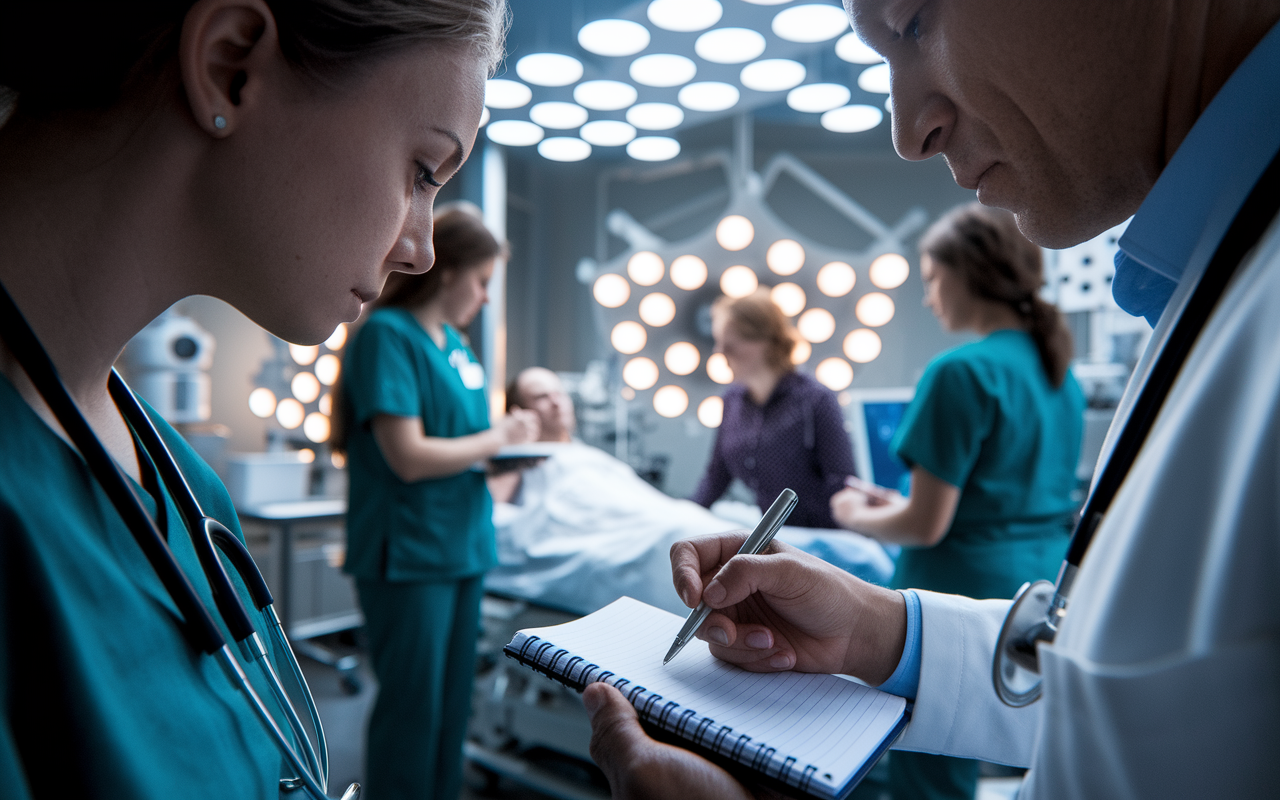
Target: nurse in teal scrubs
[992, 439]
[420, 523]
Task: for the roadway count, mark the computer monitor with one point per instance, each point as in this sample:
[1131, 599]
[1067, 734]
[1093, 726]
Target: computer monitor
[874, 415]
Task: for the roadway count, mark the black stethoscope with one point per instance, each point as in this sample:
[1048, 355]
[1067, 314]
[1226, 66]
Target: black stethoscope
[1039, 608]
[208, 537]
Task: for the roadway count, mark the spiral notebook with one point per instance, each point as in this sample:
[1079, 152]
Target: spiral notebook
[813, 734]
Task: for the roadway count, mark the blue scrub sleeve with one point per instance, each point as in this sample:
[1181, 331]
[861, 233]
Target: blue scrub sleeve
[944, 427]
[381, 375]
[905, 680]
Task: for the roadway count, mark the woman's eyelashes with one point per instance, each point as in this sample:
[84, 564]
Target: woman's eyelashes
[426, 178]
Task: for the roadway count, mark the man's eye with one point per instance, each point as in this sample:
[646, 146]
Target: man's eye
[912, 30]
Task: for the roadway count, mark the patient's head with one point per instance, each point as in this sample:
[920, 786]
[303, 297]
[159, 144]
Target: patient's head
[540, 391]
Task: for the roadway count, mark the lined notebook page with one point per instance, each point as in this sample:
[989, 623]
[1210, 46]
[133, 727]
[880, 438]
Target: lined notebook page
[829, 722]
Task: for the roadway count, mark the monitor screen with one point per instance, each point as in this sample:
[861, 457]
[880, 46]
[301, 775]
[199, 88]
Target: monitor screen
[874, 416]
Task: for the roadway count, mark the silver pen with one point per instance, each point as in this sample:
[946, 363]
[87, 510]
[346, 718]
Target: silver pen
[757, 541]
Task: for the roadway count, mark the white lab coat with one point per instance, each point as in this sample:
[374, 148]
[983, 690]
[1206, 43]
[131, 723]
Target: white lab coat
[1164, 681]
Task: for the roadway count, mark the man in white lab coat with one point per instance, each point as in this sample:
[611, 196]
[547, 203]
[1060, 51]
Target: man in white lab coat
[1164, 680]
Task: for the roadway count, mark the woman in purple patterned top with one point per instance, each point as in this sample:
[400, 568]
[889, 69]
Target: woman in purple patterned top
[780, 428]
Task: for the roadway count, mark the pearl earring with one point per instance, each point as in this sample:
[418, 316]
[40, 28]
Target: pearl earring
[219, 121]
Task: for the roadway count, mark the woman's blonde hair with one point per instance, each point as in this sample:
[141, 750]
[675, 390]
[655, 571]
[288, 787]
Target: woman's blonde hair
[757, 318]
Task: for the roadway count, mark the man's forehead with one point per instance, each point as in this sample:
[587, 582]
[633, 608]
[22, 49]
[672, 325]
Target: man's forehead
[868, 19]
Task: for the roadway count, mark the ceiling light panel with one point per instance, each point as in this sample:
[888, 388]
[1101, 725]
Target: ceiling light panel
[709, 96]
[605, 95]
[613, 37]
[684, 16]
[810, 23]
[653, 148]
[501, 93]
[875, 79]
[655, 116]
[729, 45]
[852, 119]
[815, 98]
[514, 132]
[772, 75]
[558, 115]
[663, 70]
[607, 133]
[564, 148]
[852, 49]
[549, 69]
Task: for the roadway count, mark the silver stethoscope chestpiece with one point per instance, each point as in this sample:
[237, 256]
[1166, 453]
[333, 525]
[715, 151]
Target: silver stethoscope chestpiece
[1015, 670]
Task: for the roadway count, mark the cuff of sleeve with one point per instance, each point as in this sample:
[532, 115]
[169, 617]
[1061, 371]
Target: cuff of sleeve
[905, 680]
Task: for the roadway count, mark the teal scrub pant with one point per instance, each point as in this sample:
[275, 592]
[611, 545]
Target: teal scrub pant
[924, 776]
[422, 639]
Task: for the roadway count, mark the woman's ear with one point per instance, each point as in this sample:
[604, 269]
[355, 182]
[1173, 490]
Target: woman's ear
[227, 52]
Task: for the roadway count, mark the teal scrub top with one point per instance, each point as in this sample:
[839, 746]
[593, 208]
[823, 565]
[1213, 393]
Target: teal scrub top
[986, 419]
[103, 696]
[434, 529]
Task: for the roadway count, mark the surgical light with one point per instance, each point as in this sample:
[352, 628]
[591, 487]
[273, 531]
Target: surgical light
[653, 148]
[326, 403]
[484, 116]
[889, 271]
[815, 98]
[604, 95]
[711, 412]
[816, 325]
[549, 69]
[613, 37]
[709, 96]
[785, 256]
[662, 70]
[862, 345]
[851, 119]
[657, 309]
[305, 387]
[262, 402]
[729, 45]
[611, 290]
[834, 373]
[628, 337]
[338, 460]
[874, 309]
[682, 358]
[836, 279]
[303, 354]
[306, 455]
[789, 298]
[640, 373]
[338, 339]
[684, 16]
[875, 79]
[688, 273]
[670, 401]
[502, 93]
[316, 427]
[514, 132]
[655, 116]
[645, 268]
[718, 369]
[852, 49]
[564, 148]
[738, 281]
[810, 23]
[801, 351]
[772, 75]
[607, 132]
[289, 413]
[735, 232]
[558, 115]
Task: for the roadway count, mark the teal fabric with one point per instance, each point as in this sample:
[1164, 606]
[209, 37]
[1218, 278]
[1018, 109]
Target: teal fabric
[430, 529]
[924, 776]
[422, 640]
[103, 696]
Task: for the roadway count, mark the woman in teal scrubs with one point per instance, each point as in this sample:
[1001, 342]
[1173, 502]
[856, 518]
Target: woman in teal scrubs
[281, 156]
[992, 439]
[420, 521]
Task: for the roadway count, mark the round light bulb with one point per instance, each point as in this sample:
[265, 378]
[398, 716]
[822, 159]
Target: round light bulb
[718, 369]
[607, 132]
[549, 69]
[684, 16]
[682, 358]
[305, 387]
[815, 98]
[862, 345]
[502, 93]
[735, 232]
[514, 132]
[262, 402]
[785, 256]
[662, 70]
[604, 95]
[653, 148]
[611, 290]
[688, 273]
[327, 368]
[655, 116]
[789, 298]
[326, 403]
[710, 96]
[645, 268]
[484, 116]
[875, 79]
[613, 37]
[834, 373]
[729, 45]
[836, 279]
[657, 309]
[628, 337]
[801, 351]
[640, 373]
[772, 75]
[338, 460]
[852, 49]
[851, 119]
[810, 23]
[816, 325]
[711, 412]
[306, 455]
[670, 401]
[889, 271]
[338, 339]
[303, 355]
[564, 148]
[316, 427]
[289, 413]
[558, 115]
[874, 309]
[739, 281]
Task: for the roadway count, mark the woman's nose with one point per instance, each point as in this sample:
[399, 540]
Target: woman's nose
[413, 249]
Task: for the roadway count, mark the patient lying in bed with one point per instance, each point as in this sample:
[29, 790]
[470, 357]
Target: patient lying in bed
[582, 529]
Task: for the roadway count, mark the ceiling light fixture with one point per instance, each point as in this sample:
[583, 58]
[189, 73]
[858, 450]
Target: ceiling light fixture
[657, 309]
[836, 279]
[772, 75]
[604, 95]
[653, 148]
[834, 373]
[801, 351]
[852, 119]
[874, 309]
[789, 298]
[682, 358]
[875, 79]
[852, 49]
[709, 96]
[655, 116]
[889, 271]
[514, 132]
[785, 256]
[735, 232]
[484, 116]
[729, 45]
[502, 93]
[711, 412]
[662, 70]
[862, 345]
[688, 273]
[607, 132]
[558, 115]
[611, 290]
[549, 69]
[613, 37]
[816, 325]
[645, 268]
[564, 148]
[718, 369]
[810, 23]
[738, 281]
[815, 98]
[684, 16]
[640, 373]
[628, 337]
[670, 401]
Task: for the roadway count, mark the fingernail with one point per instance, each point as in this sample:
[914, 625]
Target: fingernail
[780, 661]
[687, 597]
[759, 640]
[718, 636]
[714, 593]
[593, 701]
